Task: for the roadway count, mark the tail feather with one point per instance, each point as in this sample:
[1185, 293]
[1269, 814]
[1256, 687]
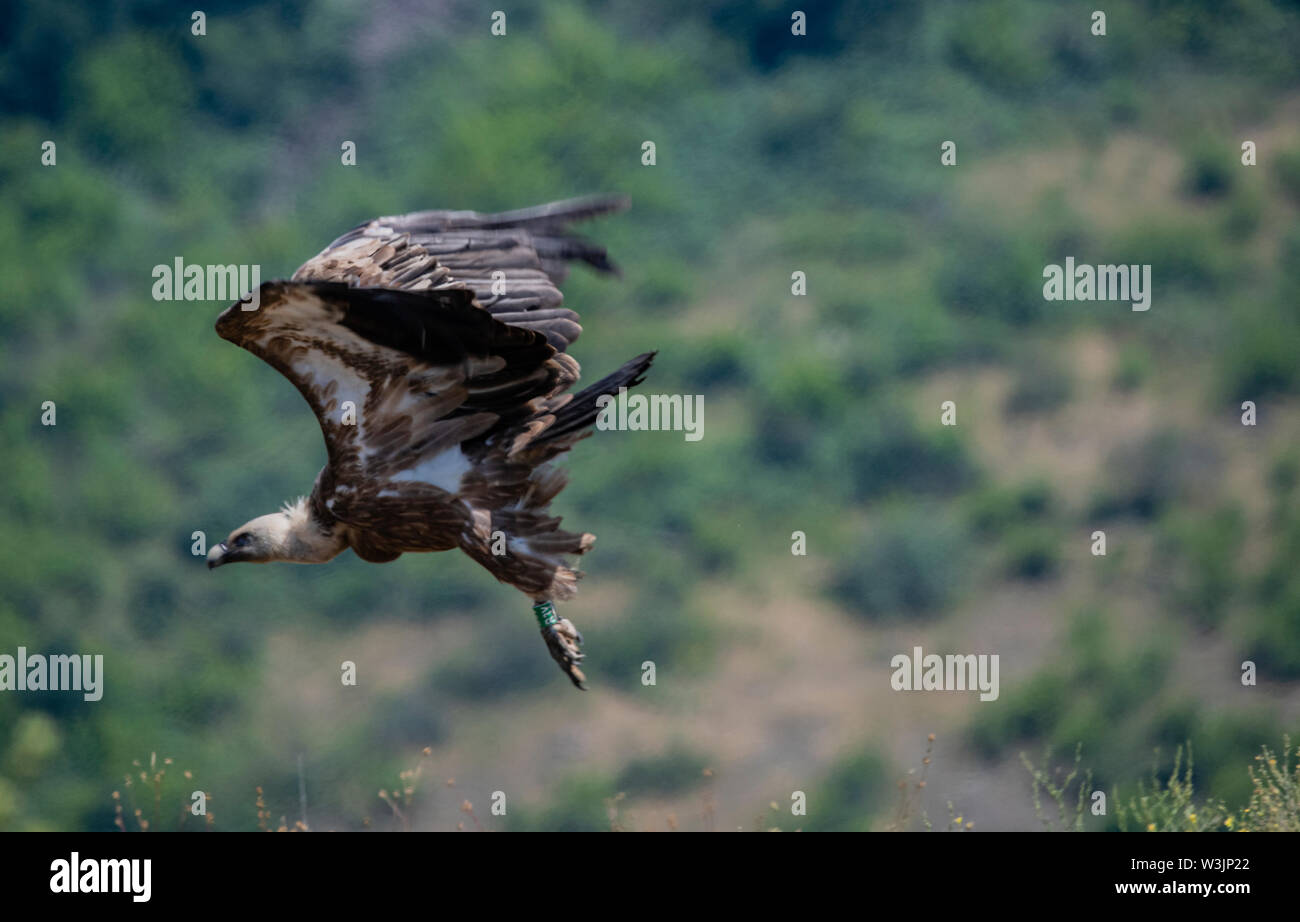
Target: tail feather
[581, 412]
[535, 548]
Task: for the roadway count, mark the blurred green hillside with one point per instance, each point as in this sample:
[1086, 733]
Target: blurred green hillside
[775, 154]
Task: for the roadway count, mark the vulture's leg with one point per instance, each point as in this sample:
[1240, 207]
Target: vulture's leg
[563, 640]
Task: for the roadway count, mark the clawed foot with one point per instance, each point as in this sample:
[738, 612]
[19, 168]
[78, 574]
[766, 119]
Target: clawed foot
[563, 640]
[565, 643]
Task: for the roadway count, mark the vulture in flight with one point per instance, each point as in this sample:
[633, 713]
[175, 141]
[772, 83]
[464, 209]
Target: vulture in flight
[433, 349]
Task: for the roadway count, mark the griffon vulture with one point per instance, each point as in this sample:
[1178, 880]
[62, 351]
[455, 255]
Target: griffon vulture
[433, 349]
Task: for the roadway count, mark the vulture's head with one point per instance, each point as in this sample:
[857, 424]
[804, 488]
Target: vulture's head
[262, 540]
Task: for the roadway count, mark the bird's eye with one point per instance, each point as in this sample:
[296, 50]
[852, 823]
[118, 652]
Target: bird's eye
[241, 540]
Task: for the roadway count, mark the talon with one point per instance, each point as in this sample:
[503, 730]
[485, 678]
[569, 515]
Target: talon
[563, 640]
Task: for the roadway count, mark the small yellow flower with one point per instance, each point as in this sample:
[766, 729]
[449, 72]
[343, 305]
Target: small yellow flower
[1151, 827]
[1228, 822]
[958, 821]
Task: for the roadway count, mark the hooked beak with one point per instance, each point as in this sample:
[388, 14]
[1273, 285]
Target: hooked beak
[217, 556]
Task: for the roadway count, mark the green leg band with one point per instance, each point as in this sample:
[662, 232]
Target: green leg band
[545, 614]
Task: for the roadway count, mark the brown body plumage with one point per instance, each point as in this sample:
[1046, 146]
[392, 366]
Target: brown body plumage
[432, 349]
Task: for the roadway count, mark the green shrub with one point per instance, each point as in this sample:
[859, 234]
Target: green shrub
[1259, 359]
[1275, 792]
[851, 794]
[1144, 477]
[1245, 213]
[992, 42]
[1188, 257]
[655, 628]
[1032, 552]
[995, 509]
[910, 564]
[1041, 385]
[1202, 554]
[1286, 166]
[1168, 806]
[1133, 367]
[1028, 712]
[1210, 171]
[578, 804]
[990, 275]
[889, 453]
[677, 770]
[1273, 639]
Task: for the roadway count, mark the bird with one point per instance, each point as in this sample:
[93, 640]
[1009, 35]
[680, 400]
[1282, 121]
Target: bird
[433, 349]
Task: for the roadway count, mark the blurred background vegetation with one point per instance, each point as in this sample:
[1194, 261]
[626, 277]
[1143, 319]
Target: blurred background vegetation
[775, 154]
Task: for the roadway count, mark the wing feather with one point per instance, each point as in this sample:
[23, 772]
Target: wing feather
[424, 372]
[529, 248]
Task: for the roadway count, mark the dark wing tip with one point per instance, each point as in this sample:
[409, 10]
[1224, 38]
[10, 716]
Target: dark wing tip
[642, 364]
[565, 211]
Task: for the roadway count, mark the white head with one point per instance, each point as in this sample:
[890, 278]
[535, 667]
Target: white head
[289, 535]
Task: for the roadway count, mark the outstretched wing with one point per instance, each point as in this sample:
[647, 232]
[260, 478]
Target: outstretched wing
[397, 379]
[512, 261]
